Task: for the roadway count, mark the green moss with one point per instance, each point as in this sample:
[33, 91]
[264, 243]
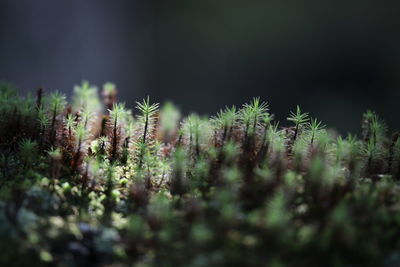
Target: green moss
[90, 183]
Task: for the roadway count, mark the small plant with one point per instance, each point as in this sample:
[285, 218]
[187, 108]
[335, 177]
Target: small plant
[57, 102]
[116, 116]
[169, 121]
[251, 115]
[315, 126]
[109, 95]
[226, 120]
[146, 117]
[148, 112]
[299, 119]
[86, 184]
[28, 150]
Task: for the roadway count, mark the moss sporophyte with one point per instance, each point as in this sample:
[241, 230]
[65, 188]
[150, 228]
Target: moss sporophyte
[90, 182]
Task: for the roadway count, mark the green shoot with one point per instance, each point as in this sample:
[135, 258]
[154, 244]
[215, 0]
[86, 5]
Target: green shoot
[28, 150]
[251, 114]
[169, 121]
[298, 119]
[146, 117]
[225, 120]
[315, 126]
[70, 124]
[147, 113]
[57, 103]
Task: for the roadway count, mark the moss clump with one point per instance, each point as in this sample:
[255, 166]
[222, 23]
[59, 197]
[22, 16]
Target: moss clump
[83, 186]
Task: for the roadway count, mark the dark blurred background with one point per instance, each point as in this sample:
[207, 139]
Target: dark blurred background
[334, 58]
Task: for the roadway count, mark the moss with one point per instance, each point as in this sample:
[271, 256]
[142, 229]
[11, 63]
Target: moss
[85, 183]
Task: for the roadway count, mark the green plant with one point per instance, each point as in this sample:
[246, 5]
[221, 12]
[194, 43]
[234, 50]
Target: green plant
[299, 119]
[148, 112]
[315, 126]
[225, 120]
[169, 121]
[146, 117]
[116, 115]
[57, 102]
[251, 115]
[28, 150]
[85, 184]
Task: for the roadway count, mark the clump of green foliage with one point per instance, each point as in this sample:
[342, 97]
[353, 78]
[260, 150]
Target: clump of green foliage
[91, 183]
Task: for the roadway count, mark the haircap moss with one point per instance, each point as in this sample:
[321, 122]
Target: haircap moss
[87, 184]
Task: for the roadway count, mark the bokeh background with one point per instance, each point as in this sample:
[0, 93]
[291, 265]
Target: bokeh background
[334, 58]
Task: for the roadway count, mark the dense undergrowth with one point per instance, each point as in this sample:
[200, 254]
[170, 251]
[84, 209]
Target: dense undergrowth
[91, 183]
